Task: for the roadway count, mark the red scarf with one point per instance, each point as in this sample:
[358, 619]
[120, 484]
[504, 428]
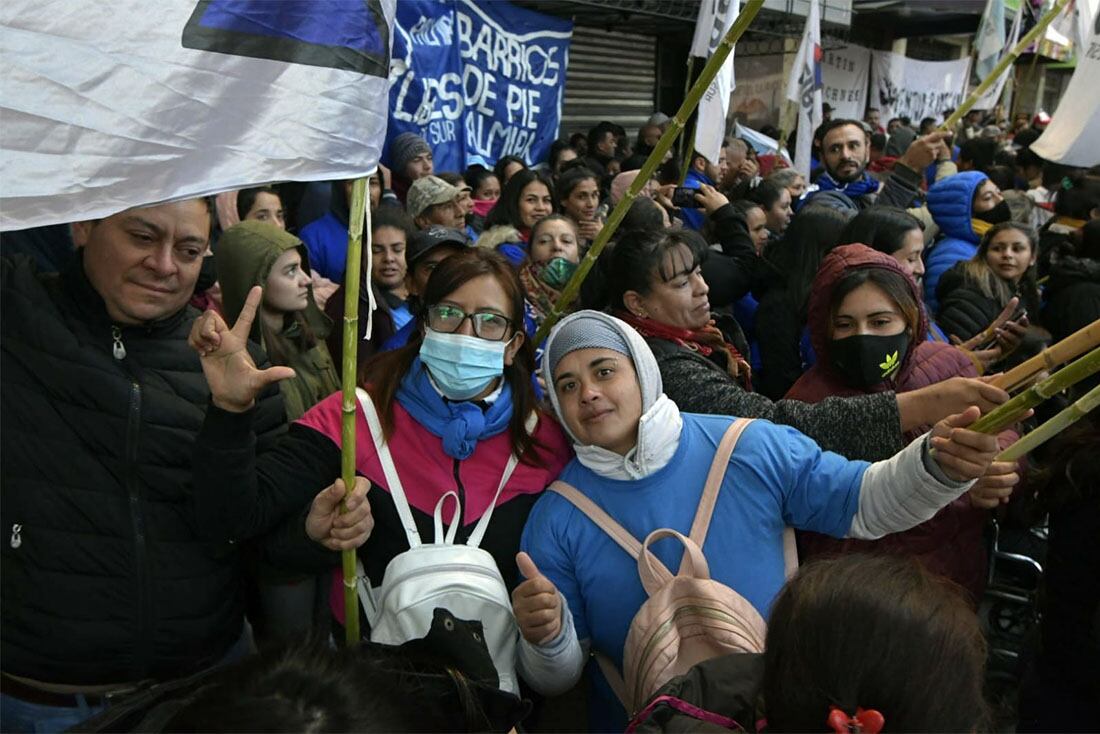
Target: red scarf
[704, 341]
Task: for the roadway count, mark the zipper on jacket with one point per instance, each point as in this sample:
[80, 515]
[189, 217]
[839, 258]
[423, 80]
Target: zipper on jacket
[16, 535]
[118, 349]
[461, 500]
[137, 519]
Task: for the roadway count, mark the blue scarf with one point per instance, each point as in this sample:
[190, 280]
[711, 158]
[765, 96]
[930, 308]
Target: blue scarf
[868, 184]
[460, 424]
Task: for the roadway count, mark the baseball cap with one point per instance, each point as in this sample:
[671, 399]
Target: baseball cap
[428, 191]
[426, 240]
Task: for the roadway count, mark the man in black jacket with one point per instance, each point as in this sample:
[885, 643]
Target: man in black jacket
[107, 582]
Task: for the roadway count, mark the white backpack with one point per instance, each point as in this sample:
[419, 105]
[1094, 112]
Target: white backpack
[464, 579]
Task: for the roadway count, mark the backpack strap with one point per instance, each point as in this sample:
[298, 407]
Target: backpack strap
[717, 475]
[397, 491]
[474, 540]
[607, 524]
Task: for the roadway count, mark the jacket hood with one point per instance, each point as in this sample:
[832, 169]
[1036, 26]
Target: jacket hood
[501, 234]
[245, 255]
[951, 202]
[836, 264]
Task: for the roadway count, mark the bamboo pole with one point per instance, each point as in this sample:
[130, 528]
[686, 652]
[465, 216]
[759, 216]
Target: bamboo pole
[1071, 374]
[349, 372]
[687, 88]
[1075, 412]
[689, 153]
[1069, 348]
[746, 16]
[1004, 63]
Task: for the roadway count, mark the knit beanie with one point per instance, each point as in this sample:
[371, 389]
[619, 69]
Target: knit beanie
[404, 148]
[585, 330]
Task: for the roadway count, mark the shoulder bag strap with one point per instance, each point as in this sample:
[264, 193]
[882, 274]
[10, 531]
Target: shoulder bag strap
[715, 478]
[607, 524]
[397, 491]
[483, 524]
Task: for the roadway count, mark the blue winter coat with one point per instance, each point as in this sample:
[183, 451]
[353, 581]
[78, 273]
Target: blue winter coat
[951, 203]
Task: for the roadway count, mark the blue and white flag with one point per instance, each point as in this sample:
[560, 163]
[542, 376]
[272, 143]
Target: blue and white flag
[990, 39]
[711, 26]
[478, 80]
[804, 87]
[110, 105]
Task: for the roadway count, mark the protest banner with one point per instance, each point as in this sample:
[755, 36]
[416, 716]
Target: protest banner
[478, 81]
[103, 111]
[845, 76]
[804, 88]
[901, 86]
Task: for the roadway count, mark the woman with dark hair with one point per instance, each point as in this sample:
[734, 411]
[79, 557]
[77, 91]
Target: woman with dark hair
[873, 633]
[891, 231]
[263, 204]
[856, 643]
[868, 327]
[484, 190]
[792, 262]
[578, 195]
[507, 167]
[561, 152]
[525, 199]
[1073, 293]
[776, 202]
[973, 292]
[655, 284]
[454, 405]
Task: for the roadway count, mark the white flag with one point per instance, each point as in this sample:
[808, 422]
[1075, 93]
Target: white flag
[714, 21]
[989, 100]
[990, 40]
[1073, 135]
[804, 87]
[110, 106]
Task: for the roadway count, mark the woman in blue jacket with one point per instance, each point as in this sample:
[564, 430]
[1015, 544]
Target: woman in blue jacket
[964, 206]
[644, 463]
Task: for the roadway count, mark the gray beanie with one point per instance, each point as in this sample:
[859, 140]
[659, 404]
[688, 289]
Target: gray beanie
[584, 331]
[404, 148]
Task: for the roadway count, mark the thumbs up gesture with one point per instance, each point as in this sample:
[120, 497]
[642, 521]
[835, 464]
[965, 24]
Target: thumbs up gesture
[233, 377]
[536, 604]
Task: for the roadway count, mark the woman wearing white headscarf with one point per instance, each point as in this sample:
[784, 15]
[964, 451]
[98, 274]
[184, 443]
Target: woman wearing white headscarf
[644, 463]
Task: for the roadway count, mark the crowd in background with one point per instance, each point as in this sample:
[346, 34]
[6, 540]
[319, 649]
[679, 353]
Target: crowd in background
[853, 310]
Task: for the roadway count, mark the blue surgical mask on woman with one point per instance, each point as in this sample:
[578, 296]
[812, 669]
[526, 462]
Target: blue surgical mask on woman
[462, 366]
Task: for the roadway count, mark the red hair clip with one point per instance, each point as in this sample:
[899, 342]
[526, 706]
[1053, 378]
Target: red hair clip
[866, 721]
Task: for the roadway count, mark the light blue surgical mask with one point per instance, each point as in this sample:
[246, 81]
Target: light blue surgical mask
[462, 366]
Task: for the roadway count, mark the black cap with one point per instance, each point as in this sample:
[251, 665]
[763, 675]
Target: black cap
[826, 107]
[426, 240]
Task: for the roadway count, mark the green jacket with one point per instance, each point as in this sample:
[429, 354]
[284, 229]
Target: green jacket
[245, 255]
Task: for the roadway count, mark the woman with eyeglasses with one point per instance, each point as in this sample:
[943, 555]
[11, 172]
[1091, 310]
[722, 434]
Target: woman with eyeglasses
[453, 405]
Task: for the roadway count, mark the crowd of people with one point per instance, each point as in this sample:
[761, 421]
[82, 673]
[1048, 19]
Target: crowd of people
[172, 421]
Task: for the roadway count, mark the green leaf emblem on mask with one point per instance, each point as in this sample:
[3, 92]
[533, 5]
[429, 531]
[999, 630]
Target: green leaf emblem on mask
[890, 365]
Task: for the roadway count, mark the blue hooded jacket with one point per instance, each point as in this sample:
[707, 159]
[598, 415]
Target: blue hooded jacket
[951, 202]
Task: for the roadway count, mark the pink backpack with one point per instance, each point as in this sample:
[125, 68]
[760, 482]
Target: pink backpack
[688, 617]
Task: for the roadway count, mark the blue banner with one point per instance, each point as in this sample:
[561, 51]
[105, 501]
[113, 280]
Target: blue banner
[478, 81]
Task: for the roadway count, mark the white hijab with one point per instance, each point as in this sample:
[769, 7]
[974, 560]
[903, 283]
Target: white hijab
[660, 424]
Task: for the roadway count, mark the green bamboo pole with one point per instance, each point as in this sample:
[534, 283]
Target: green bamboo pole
[1004, 63]
[1071, 374]
[689, 153]
[748, 12]
[687, 88]
[1075, 412]
[352, 275]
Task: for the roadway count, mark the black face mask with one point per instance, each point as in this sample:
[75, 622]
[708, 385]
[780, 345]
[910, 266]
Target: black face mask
[867, 360]
[208, 276]
[996, 215]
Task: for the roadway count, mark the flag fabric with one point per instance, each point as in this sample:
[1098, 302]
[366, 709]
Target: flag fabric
[990, 40]
[989, 100]
[103, 111]
[1073, 135]
[714, 21]
[804, 88]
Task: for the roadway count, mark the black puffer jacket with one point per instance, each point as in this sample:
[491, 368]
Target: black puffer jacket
[1073, 296]
[964, 309]
[105, 577]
